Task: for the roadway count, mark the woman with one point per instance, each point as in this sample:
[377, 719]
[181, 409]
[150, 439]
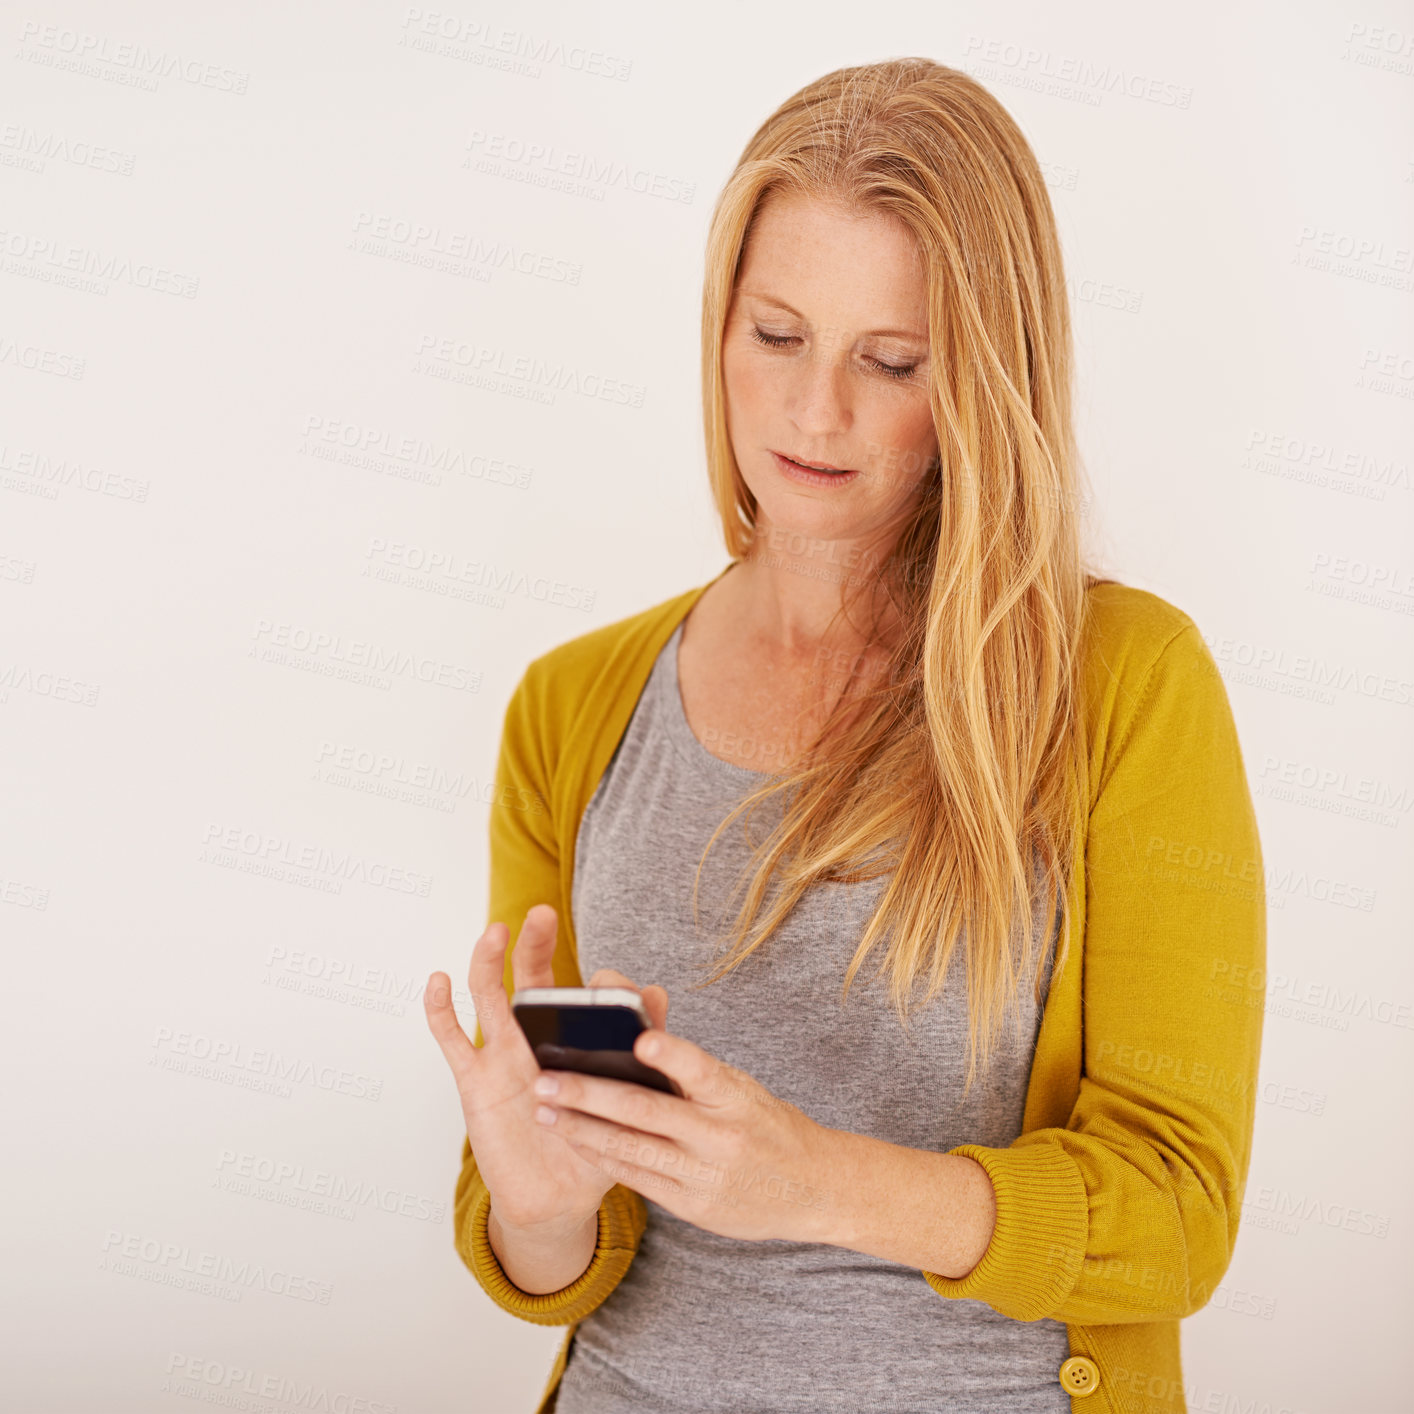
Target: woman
[903, 724]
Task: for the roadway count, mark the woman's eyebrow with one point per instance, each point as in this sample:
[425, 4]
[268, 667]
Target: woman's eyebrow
[869, 334]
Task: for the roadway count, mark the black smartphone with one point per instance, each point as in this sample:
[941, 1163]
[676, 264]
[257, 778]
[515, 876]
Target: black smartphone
[590, 1030]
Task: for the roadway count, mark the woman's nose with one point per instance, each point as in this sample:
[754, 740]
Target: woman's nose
[818, 402]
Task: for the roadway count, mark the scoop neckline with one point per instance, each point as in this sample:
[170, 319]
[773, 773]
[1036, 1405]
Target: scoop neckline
[680, 729]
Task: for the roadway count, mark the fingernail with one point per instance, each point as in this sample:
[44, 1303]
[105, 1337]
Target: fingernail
[544, 1114]
[546, 1085]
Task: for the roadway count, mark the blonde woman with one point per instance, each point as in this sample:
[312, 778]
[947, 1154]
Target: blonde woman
[940, 845]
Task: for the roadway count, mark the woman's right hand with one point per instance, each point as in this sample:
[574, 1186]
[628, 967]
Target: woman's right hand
[537, 1182]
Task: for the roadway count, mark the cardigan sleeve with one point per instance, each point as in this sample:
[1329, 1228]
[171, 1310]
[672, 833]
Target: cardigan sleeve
[525, 870]
[1130, 1212]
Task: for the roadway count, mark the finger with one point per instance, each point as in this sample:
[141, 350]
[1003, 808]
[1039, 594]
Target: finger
[704, 1183]
[531, 959]
[485, 978]
[655, 999]
[661, 1187]
[442, 1020]
[624, 1102]
[649, 1152]
[702, 1077]
[608, 977]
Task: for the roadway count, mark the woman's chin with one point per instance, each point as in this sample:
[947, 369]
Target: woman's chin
[787, 523]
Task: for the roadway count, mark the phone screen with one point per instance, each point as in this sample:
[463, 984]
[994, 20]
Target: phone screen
[594, 1040]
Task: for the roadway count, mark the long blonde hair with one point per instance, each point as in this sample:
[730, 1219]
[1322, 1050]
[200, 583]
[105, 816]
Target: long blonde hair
[961, 773]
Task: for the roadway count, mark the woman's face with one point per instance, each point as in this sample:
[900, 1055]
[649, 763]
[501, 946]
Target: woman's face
[825, 360]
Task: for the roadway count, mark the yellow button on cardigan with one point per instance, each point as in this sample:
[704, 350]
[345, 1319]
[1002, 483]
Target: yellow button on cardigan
[1118, 1205]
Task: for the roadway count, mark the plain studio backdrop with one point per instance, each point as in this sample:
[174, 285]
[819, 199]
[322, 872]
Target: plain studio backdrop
[349, 360]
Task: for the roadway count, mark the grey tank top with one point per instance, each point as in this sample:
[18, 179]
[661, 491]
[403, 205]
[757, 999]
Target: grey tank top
[703, 1324]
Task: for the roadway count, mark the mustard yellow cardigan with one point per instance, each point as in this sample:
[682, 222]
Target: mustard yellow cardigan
[1118, 1205]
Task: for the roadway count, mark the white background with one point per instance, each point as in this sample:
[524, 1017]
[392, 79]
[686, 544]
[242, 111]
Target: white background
[1238, 254]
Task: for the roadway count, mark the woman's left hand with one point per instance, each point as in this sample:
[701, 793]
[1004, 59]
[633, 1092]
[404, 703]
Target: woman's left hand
[726, 1156]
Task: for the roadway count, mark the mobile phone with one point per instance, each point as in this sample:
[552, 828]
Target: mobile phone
[590, 1030]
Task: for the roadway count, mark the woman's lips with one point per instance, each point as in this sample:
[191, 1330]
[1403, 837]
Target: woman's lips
[798, 471]
[813, 466]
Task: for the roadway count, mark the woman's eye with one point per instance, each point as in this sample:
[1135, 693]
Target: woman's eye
[773, 341]
[902, 370]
